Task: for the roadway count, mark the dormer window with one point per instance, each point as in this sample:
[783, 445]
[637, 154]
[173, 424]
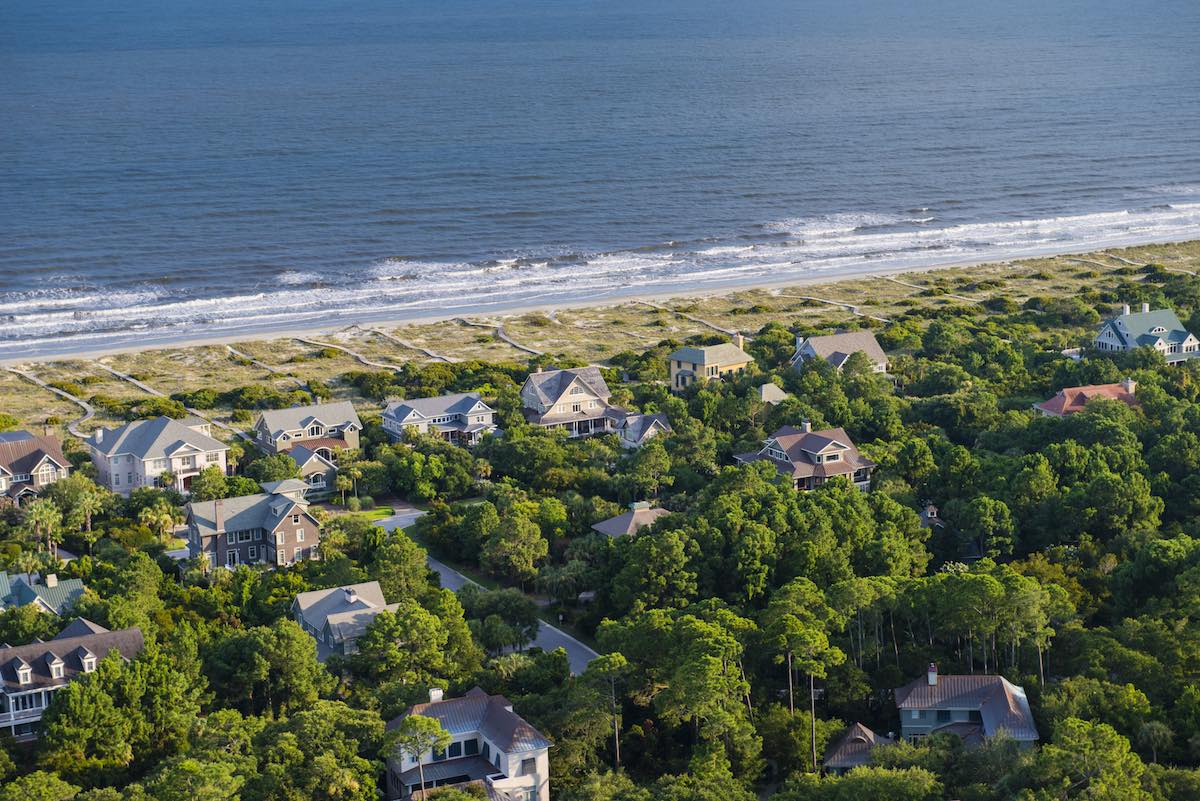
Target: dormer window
[832, 457]
[315, 431]
[89, 664]
[24, 675]
[56, 670]
[1158, 329]
[576, 390]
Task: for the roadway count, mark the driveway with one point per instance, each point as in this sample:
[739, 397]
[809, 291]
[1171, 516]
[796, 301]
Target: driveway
[548, 637]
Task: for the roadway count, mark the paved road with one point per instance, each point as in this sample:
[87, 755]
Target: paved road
[548, 637]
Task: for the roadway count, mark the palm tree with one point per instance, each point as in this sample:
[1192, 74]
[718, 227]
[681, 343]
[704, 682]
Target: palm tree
[43, 519]
[27, 562]
[159, 518]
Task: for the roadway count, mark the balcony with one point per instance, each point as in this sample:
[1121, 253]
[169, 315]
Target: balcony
[21, 716]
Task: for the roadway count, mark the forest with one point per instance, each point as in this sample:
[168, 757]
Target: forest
[1067, 559]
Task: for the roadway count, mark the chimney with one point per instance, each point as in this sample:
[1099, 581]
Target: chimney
[1125, 310]
[51, 580]
[638, 505]
[1129, 385]
[806, 426]
[435, 694]
[739, 340]
[351, 594]
[218, 516]
[932, 675]
[1145, 307]
[99, 435]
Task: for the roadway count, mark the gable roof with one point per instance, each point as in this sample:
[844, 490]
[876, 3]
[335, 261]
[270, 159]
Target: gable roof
[153, 439]
[330, 415]
[853, 748]
[837, 348]
[1001, 704]
[264, 510]
[637, 426]
[549, 386]
[71, 650]
[630, 522]
[23, 454]
[347, 610]
[771, 393]
[1070, 400]
[15, 590]
[79, 627]
[490, 715]
[457, 404]
[1135, 329]
[302, 455]
[797, 444]
[724, 353]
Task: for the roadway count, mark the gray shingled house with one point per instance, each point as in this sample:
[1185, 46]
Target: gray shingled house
[337, 617]
[462, 418]
[575, 400]
[144, 452]
[317, 471]
[31, 674]
[640, 515]
[321, 427]
[838, 348]
[1159, 329]
[810, 458]
[273, 527]
[853, 749]
[492, 747]
[638, 429]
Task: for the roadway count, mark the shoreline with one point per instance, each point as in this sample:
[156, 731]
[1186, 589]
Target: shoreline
[609, 299]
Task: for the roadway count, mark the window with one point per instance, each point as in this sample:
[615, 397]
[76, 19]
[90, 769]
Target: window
[576, 390]
[299, 535]
[116, 479]
[456, 750]
[528, 766]
[298, 554]
[257, 534]
[230, 537]
[253, 551]
[212, 457]
[575, 407]
[487, 750]
[56, 670]
[471, 748]
[975, 716]
[943, 716]
[279, 557]
[279, 538]
[295, 520]
[315, 431]
[24, 675]
[439, 756]
[89, 664]
[832, 457]
[231, 558]
[243, 536]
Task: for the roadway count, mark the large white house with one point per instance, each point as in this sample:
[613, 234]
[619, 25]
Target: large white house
[462, 418]
[1159, 329]
[140, 453]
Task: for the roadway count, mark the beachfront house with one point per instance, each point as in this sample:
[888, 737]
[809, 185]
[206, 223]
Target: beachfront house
[710, 362]
[492, 748]
[152, 453]
[1159, 329]
[31, 674]
[28, 464]
[640, 515]
[637, 429]
[973, 707]
[322, 428]
[1071, 400]
[317, 471]
[836, 349]
[810, 458]
[575, 400]
[273, 528]
[338, 616]
[462, 418]
[47, 593]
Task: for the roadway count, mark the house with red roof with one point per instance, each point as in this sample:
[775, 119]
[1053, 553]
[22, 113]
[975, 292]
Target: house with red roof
[1071, 400]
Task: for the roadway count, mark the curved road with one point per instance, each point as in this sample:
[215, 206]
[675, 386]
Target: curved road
[548, 637]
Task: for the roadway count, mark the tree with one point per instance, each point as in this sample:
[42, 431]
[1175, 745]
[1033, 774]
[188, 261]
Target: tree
[276, 467]
[984, 521]
[515, 549]
[44, 521]
[417, 734]
[38, 786]
[606, 670]
[907, 784]
[159, 518]
[1155, 736]
[189, 779]
[1090, 760]
[210, 484]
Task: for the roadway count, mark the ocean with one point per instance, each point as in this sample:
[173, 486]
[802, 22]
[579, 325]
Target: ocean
[173, 170]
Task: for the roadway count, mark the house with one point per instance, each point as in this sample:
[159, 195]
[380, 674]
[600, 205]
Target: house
[838, 348]
[639, 516]
[1070, 400]
[853, 749]
[929, 516]
[338, 616]
[973, 707]
[317, 471]
[48, 593]
[810, 458]
[575, 400]
[493, 747]
[692, 364]
[141, 453]
[31, 674]
[1159, 329]
[772, 394]
[322, 428]
[28, 463]
[638, 429]
[273, 527]
[462, 418]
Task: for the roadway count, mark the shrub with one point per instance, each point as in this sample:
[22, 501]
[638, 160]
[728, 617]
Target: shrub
[354, 504]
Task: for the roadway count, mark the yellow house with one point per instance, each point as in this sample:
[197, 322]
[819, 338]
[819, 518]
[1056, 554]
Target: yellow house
[689, 365]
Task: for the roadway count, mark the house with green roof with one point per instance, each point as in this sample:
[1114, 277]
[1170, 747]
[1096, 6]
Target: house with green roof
[1159, 329]
[48, 593]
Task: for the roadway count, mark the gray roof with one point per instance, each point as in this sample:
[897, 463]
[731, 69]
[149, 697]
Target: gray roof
[629, 523]
[799, 445]
[637, 426]
[331, 415]
[549, 386]
[725, 353]
[264, 510]
[457, 404]
[1134, 329]
[347, 618]
[288, 485]
[837, 348]
[79, 627]
[153, 439]
[489, 715]
[15, 590]
[14, 436]
[472, 767]
[70, 649]
[853, 748]
[771, 393]
[302, 456]
[1001, 704]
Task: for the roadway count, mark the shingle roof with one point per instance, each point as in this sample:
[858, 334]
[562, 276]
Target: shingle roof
[798, 444]
[285, 486]
[79, 627]
[460, 403]
[16, 591]
[331, 415]
[550, 385]
[244, 513]
[22, 455]
[152, 439]
[637, 426]
[771, 393]
[836, 348]
[347, 618]
[724, 353]
[1070, 400]
[854, 747]
[628, 523]
[489, 715]
[128, 642]
[1001, 704]
[302, 456]
[1135, 329]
